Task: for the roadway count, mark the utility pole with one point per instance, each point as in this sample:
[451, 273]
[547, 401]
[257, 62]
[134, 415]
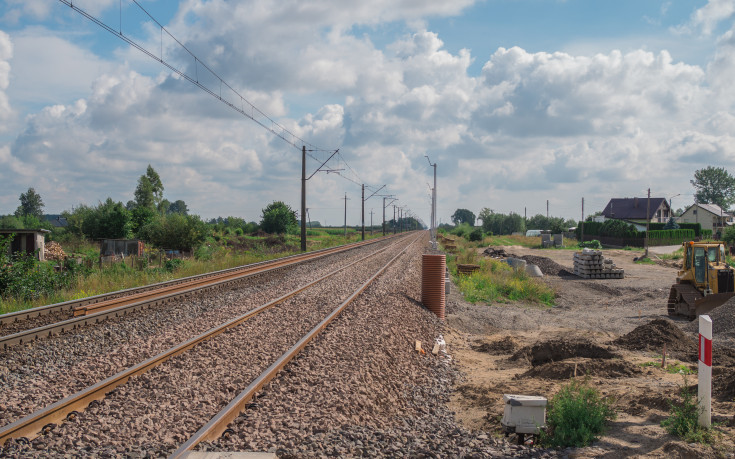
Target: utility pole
[345, 198]
[433, 206]
[363, 211]
[394, 219]
[547, 209]
[303, 198]
[648, 220]
[582, 237]
[383, 216]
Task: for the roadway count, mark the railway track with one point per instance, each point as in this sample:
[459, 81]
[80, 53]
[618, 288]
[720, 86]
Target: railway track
[28, 325]
[300, 306]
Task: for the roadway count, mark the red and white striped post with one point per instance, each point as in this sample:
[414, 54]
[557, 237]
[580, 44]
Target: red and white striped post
[704, 389]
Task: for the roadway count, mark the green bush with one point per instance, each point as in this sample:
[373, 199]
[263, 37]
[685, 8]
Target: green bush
[475, 235]
[684, 419]
[576, 415]
[593, 244]
[462, 230]
[23, 277]
[173, 264]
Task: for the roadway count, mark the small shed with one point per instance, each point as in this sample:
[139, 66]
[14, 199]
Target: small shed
[121, 247]
[26, 241]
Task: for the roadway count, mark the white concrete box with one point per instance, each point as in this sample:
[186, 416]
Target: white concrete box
[524, 414]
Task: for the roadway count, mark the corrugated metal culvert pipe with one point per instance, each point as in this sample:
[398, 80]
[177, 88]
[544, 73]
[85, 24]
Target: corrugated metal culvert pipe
[432, 283]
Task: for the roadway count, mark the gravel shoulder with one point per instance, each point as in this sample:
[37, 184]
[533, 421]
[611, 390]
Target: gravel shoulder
[580, 334]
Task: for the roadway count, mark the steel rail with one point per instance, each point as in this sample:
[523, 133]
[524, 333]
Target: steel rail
[73, 304]
[125, 306]
[32, 425]
[218, 424]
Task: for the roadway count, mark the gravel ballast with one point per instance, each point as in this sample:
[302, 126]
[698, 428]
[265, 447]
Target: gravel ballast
[36, 374]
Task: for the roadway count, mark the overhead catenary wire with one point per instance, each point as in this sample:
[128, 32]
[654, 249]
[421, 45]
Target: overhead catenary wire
[239, 104]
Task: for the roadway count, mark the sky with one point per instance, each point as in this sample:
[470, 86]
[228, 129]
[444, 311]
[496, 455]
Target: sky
[518, 102]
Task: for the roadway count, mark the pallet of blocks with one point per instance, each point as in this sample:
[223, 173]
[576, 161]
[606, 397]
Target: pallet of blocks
[590, 264]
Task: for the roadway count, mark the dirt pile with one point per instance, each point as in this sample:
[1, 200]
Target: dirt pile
[493, 252]
[560, 349]
[53, 251]
[612, 368]
[505, 345]
[723, 321]
[652, 337]
[724, 385]
[547, 266]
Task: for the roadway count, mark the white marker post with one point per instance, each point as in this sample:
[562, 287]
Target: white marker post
[704, 389]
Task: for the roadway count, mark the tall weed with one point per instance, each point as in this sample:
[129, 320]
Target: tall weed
[576, 415]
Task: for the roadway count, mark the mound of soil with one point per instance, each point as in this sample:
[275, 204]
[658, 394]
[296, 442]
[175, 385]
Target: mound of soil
[724, 385]
[611, 368]
[723, 321]
[638, 404]
[612, 291]
[559, 349]
[653, 335]
[497, 253]
[547, 266]
[505, 345]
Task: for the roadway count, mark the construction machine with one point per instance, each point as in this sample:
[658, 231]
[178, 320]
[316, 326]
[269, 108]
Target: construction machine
[704, 282]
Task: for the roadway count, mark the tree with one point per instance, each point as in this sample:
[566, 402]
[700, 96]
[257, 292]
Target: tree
[149, 192]
[671, 224]
[175, 231]
[11, 222]
[30, 204]
[729, 235]
[463, 216]
[278, 218]
[178, 207]
[109, 219]
[714, 185]
[140, 217]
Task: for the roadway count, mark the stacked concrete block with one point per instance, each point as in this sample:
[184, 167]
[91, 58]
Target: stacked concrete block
[546, 240]
[590, 264]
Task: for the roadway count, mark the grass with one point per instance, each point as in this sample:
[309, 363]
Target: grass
[684, 419]
[218, 257]
[645, 261]
[672, 368]
[576, 415]
[496, 282]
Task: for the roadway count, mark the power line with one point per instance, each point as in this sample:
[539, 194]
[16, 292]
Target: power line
[237, 103]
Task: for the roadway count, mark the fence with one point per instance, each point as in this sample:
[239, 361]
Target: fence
[635, 241]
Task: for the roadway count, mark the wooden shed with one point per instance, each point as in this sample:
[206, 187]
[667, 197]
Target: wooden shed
[26, 241]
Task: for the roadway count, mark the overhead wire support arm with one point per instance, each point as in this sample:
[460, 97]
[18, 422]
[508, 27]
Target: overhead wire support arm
[376, 192]
[325, 162]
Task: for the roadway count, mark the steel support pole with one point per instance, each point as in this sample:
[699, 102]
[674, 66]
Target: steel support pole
[345, 214]
[433, 196]
[383, 216]
[303, 198]
[363, 211]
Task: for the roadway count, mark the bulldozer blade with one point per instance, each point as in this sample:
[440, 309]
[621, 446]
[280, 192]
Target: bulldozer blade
[707, 303]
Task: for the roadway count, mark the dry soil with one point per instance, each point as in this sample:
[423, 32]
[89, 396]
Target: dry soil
[610, 331]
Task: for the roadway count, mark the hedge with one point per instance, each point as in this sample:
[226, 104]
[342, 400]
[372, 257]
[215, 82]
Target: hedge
[620, 229]
[680, 234]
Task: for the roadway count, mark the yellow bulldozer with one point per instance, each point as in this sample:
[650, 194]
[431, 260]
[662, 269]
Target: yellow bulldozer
[704, 282]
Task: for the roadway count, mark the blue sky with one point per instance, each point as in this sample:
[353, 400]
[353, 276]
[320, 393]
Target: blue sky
[517, 101]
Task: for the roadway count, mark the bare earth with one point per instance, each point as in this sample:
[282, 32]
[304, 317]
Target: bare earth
[491, 345]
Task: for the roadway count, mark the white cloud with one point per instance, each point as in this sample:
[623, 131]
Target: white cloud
[6, 53]
[709, 16]
[552, 124]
